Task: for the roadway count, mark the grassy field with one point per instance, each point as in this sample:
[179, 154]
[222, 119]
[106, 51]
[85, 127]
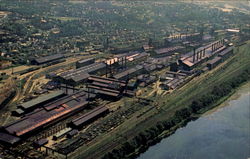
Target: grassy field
[168, 105]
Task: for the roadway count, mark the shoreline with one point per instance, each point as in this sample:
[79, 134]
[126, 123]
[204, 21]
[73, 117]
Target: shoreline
[167, 133]
[236, 95]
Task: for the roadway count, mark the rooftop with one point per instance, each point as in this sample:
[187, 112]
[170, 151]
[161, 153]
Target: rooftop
[49, 58]
[41, 99]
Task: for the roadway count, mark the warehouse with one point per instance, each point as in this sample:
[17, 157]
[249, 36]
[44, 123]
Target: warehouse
[193, 59]
[41, 100]
[226, 53]
[167, 51]
[8, 140]
[61, 133]
[89, 117]
[40, 143]
[214, 62]
[85, 62]
[130, 73]
[51, 113]
[106, 86]
[46, 59]
[77, 76]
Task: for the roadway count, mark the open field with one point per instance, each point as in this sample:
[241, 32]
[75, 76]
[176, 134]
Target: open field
[168, 105]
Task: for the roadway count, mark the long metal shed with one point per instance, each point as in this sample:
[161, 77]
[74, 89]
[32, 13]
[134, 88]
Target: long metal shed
[90, 116]
[32, 104]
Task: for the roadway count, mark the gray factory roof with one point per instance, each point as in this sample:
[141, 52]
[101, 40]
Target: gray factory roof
[41, 142]
[80, 77]
[168, 49]
[129, 71]
[86, 60]
[41, 99]
[49, 58]
[226, 51]
[83, 70]
[214, 60]
[6, 138]
[90, 115]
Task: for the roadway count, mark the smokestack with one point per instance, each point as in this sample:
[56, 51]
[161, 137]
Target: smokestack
[197, 56]
[194, 56]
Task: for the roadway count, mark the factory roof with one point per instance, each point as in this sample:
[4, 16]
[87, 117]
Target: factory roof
[86, 60]
[41, 99]
[19, 111]
[168, 49]
[226, 51]
[128, 72]
[214, 60]
[72, 133]
[82, 71]
[49, 58]
[41, 142]
[106, 80]
[42, 117]
[80, 77]
[90, 115]
[9, 139]
[62, 132]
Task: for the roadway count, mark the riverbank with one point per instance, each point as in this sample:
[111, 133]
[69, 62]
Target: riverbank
[182, 117]
[218, 133]
[234, 96]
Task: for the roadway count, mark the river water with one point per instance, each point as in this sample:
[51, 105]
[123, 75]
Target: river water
[223, 133]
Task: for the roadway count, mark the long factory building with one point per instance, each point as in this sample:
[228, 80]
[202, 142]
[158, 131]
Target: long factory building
[106, 87]
[76, 76]
[38, 102]
[49, 114]
[198, 56]
[46, 59]
[89, 117]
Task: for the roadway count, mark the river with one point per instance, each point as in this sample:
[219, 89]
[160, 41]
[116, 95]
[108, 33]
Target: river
[222, 133]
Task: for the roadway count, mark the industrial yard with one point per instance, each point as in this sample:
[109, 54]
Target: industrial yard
[89, 102]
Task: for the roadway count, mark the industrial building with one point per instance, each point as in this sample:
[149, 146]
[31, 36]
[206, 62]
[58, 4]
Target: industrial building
[213, 63]
[192, 59]
[8, 139]
[80, 75]
[171, 80]
[40, 101]
[130, 73]
[89, 117]
[46, 59]
[106, 87]
[226, 53]
[47, 115]
[85, 62]
[167, 51]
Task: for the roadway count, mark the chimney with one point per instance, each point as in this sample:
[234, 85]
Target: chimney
[194, 56]
[200, 54]
[197, 56]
